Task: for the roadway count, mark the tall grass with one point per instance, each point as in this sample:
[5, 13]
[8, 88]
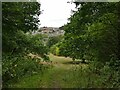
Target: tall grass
[93, 77]
[66, 75]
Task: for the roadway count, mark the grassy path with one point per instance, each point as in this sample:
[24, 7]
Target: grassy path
[61, 75]
[64, 74]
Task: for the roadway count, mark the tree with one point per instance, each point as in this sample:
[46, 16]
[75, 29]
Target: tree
[17, 17]
[92, 32]
[53, 40]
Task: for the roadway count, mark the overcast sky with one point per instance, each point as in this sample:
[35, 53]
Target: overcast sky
[55, 12]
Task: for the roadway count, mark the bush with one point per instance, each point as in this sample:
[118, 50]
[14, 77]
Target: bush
[15, 67]
[55, 50]
[53, 40]
[106, 76]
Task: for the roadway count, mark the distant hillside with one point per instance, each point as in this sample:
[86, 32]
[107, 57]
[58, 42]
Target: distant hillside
[50, 31]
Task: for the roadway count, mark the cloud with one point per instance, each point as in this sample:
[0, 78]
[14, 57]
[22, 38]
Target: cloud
[56, 12]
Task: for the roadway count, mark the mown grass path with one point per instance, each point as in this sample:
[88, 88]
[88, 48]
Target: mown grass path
[61, 75]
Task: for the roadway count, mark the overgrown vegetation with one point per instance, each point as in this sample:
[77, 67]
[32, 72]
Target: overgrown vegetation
[93, 32]
[92, 35]
[65, 74]
[53, 40]
[19, 19]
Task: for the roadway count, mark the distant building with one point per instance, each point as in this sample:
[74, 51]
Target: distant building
[50, 31]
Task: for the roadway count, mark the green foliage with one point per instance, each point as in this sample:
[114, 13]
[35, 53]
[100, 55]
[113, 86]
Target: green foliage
[15, 67]
[92, 33]
[54, 49]
[19, 18]
[16, 17]
[64, 74]
[53, 40]
[36, 46]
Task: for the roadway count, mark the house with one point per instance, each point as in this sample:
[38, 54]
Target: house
[51, 31]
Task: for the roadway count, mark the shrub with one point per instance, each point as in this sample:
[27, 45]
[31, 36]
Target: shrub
[53, 40]
[15, 67]
[55, 50]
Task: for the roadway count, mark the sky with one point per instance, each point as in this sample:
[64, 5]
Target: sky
[55, 12]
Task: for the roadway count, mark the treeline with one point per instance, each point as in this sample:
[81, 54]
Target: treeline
[19, 20]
